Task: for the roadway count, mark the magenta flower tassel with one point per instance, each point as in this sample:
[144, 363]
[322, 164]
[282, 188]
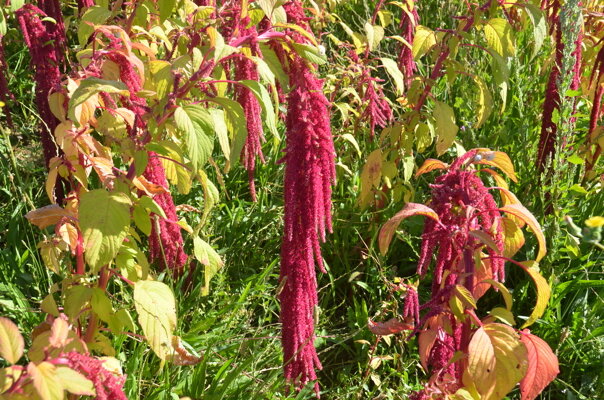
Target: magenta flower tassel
[409, 20]
[165, 245]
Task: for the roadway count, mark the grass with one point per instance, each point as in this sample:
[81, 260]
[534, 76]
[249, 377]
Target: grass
[236, 327]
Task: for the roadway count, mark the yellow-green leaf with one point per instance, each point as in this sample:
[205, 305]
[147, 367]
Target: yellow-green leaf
[518, 210]
[395, 73]
[45, 380]
[513, 238]
[212, 262]
[543, 291]
[74, 382]
[446, 129]
[156, 307]
[11, 341]
[423, 41]
[498, 33]
[485, 102]
[104, 220]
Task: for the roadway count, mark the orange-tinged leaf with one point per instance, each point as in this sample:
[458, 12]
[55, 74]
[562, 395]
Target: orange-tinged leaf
[8, 376]
[429, 165]
[521, 212]
[182, 356]
[370, 176]
[11, 341]
[389, 327]
[148, 187]
[507, 296]
[513, 238]
[542, 366]
[482, 361]
[500, 160]
[483, 272]
[486, 239]
[498, 178]
[46, 216]
[426, 342]
[543, 291]
[59, 332]
[410, 209]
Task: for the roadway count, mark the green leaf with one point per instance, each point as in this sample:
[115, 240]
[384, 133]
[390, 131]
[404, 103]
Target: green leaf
[501, 76]
[212, 262]
[95, 15]
[485, 102]
[392, 68]
[11, 341]
[151, 205]
[142, 220]
[236, 123]
[104, 221]
[222, 131]
[88, 88]
[76, 298]
[265, 101]
[156, 307]
[423, 41]
[165, 9]
[498, 33]
[537, 17]
[272, 60]
[310, 53]
[101, 305]
[74, 382]
[446, 130]
[195, 123]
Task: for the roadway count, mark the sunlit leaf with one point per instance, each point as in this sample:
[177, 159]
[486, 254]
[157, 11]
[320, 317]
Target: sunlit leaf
[156, 307]
[429, 165]
[543, 292]
[45, 380]
[410, 209]
[11, 341]
[518, 210]
[446, 129]
[423, 41]
[104, 220]
[395, 73]
[542, 366]
[74, 382]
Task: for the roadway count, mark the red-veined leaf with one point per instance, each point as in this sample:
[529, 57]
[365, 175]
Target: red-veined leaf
[429, 165]
[410, 209]
[542, 366]
[389, 327]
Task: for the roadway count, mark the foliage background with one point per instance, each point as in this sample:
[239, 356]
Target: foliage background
[237, 326]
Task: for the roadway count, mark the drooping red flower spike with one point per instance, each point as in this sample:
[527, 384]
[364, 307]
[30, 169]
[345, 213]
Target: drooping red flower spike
[246, 69]
[44, 41]
[549, 129]
[409, 20]
[165, 241]
[309, 174]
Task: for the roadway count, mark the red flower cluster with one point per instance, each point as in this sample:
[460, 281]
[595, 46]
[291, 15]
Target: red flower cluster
[166, 246]
[547, 139]
[463, 204]
[245, 69]
[107, 385]
[409, 19]
[309, 174]
[45, 42]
